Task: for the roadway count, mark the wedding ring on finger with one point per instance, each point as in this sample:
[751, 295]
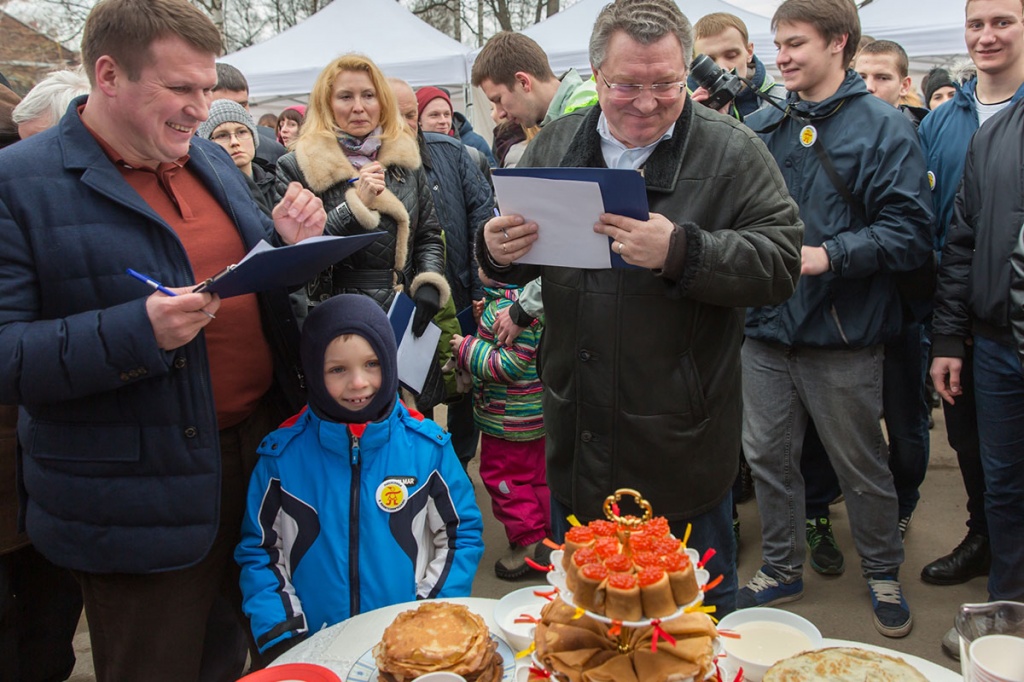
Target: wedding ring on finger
[503, 249]
[505, 232]
[621, 246]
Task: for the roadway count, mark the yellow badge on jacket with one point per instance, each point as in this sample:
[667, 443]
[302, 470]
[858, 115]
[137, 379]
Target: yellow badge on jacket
[808, 135]
[392, 495]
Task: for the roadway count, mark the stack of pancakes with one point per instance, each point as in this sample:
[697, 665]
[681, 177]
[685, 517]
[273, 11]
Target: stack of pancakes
[434, 637]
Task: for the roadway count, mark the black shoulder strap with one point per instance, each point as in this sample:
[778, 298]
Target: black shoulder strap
[833, 175]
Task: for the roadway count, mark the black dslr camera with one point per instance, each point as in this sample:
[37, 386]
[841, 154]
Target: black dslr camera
[722, 86]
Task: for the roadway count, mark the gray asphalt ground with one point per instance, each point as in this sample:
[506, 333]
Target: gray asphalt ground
[839, 606]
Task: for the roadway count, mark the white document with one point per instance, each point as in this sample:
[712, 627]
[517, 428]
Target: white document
[565, 212]
[415, 355]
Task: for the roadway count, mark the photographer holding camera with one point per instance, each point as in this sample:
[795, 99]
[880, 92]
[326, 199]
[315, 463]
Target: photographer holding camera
[725, 58]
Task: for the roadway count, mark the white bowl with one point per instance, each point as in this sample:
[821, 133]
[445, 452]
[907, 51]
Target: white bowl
[514, 604]
[767, 636]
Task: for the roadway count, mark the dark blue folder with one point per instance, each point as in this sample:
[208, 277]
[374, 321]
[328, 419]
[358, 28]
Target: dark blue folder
[284, 267]
[624, 191]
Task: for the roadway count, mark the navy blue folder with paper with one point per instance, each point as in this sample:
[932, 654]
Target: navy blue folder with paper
[467, 321]
[624, 191]
[266, 267]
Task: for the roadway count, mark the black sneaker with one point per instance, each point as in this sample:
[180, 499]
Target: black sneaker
[826, 557]
[904, 524]
[892, 614]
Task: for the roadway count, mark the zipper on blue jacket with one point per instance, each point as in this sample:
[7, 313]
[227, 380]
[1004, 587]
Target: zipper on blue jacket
[353, 527]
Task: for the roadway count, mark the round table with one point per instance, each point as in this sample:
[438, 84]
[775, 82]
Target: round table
[340, 646]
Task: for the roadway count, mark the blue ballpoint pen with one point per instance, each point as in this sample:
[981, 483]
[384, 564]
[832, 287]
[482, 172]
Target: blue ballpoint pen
[162, 289]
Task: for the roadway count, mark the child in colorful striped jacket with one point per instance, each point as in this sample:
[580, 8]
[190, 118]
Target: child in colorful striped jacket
[507, 409]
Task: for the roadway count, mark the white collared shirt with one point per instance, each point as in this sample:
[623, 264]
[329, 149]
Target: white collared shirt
[618, 155]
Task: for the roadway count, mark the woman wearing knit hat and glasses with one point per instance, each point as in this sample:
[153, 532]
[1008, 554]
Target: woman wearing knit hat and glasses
[231, 126]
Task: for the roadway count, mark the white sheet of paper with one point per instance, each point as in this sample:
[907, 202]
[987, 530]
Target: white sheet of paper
[565, 212]
[416, 355]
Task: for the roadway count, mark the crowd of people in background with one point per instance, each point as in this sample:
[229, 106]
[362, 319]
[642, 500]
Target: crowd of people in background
[216, 480]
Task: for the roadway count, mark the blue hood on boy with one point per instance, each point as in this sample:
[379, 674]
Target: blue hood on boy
[349, 314]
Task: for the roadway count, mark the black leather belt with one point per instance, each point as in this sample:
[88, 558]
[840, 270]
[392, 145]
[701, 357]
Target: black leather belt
[361, 279]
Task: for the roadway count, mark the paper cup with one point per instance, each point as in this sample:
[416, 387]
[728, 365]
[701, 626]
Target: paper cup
[997, 658]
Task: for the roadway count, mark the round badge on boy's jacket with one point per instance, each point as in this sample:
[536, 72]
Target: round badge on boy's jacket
[392, 495]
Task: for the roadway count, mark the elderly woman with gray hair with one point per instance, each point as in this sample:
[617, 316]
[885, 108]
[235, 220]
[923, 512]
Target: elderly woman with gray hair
[46, 103]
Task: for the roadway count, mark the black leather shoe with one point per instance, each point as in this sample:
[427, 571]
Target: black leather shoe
[970, 559]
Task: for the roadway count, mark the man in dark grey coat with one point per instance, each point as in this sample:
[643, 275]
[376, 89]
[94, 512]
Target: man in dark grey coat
[641, 366]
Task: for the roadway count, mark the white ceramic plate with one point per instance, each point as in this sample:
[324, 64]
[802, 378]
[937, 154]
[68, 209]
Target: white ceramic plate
[365, 669]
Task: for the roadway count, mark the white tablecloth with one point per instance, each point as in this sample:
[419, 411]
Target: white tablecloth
[340, 646]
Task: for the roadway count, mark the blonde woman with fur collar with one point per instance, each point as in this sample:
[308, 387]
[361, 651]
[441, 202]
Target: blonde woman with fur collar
[355, 153]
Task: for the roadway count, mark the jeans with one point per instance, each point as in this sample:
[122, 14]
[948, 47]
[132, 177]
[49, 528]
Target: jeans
[999, 388]
[962, 434]
[841, 390]
[906, 409]
[713, 528]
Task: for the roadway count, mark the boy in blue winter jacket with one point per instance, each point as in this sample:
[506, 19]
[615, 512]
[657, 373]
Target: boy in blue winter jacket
[356, 502]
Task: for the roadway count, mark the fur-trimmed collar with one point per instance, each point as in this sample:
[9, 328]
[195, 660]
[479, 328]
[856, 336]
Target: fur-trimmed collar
[324, 164]
[661, 171]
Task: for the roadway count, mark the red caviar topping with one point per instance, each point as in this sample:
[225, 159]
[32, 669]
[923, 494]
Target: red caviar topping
[650, 575]
[619, 563]
[594, 571]
[622, 581]
[647, 559]
[606, 547]
[581, 535]
[605, 529]
[675, 562]
[641, 542]
[656, 527]
[584, 556]
[667, 545]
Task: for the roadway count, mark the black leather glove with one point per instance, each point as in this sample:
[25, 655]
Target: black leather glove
[428, 302]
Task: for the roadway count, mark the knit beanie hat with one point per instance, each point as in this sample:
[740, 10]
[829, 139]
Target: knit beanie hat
[227, 111]
[348, 314]
[425, 96]
[935, 79]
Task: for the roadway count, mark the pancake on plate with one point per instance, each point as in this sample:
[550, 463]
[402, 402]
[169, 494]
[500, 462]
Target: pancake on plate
[843, 664]
[438, 636]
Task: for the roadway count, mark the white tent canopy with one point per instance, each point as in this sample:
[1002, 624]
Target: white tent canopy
[931, 32]
[565, 36]
[403, 46]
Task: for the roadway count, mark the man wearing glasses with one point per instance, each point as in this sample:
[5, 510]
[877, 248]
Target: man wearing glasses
[641, 366]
